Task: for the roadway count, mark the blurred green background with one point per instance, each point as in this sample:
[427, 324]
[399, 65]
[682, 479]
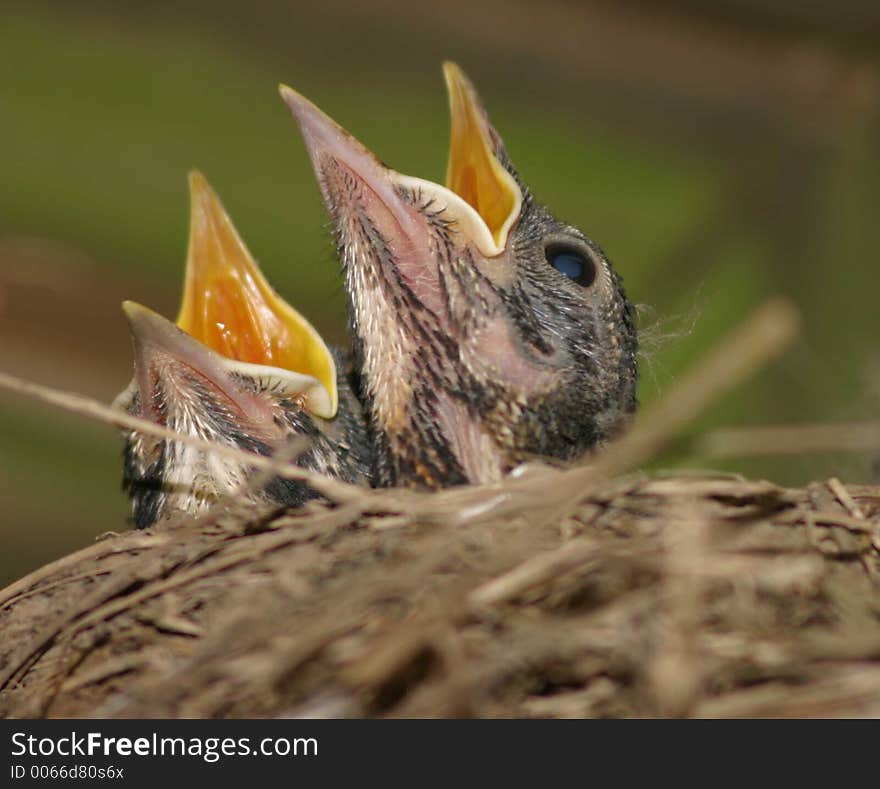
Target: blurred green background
[720, 152]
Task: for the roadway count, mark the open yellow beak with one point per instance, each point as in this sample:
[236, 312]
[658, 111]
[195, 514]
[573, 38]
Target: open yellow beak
[474, 171]
[229, 306]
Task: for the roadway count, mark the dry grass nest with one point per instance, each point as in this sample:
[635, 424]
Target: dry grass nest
[700, 595]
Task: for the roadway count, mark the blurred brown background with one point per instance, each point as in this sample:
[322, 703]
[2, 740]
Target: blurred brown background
[719, 152]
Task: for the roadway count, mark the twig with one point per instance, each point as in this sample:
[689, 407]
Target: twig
[532, 572]
[791, 439]
[332, 489]
[839, 490]
[762, 337]
[133, 543]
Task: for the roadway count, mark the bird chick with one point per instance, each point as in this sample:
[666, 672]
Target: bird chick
[241, 368]
[487, 331]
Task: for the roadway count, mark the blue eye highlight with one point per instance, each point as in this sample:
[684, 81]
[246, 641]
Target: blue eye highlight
[573, 263]
[570, 265]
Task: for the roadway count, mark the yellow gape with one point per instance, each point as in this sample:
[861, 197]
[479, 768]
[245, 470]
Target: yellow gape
[474, 172]
[229, 306]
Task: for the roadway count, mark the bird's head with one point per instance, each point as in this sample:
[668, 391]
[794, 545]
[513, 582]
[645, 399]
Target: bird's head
[240, 368]
[488, 330]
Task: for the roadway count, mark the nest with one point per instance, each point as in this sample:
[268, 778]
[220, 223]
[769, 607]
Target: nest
[698, 596]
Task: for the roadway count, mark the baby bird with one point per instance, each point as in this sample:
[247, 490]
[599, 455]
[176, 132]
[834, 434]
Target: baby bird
[241, 368]
[487, 331]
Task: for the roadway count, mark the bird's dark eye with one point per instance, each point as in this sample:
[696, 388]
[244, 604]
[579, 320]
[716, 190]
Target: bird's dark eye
[572, 262]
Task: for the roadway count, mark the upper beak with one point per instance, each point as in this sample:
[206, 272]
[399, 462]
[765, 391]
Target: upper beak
[482, 200]
[326, 141]
[230, 307]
